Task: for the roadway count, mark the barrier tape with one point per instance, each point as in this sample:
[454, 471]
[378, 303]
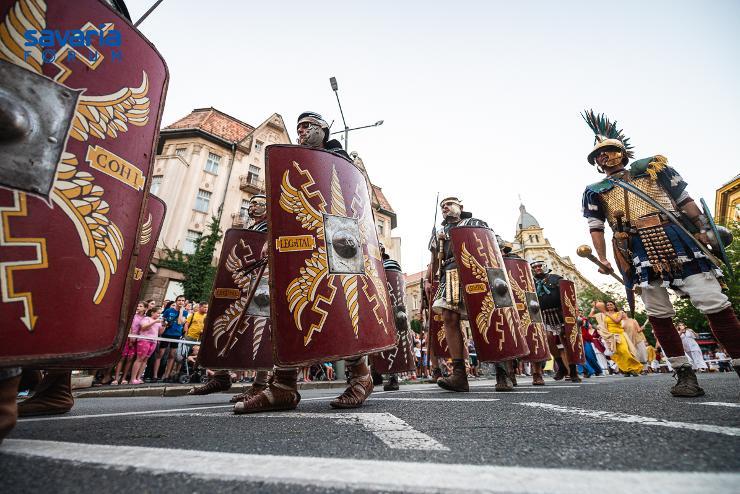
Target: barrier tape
[157, 338]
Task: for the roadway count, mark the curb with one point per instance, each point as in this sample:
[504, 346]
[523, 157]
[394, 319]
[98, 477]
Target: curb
[182, 390]
[170, 390]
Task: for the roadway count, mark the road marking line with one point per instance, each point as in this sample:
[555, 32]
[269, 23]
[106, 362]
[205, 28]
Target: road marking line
[442, 392]
[145, 412]
[636, 419]
[718, 404]
[394, 432]
[345, 474]
[433, 399]
[119, 414]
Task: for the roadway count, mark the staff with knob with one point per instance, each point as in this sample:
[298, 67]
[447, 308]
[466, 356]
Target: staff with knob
[585, 251]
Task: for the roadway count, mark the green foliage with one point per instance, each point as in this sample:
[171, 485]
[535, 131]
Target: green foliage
[196, 268]
[416, 326]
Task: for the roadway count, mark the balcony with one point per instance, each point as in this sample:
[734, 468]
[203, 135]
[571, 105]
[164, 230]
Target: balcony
[250, 183]
[238, 220]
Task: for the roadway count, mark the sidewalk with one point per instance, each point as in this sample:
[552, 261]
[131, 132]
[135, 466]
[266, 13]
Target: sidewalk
[176, 389]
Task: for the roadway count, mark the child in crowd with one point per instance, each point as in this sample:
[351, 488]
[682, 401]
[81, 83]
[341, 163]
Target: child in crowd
[151, 325]
[129, 347]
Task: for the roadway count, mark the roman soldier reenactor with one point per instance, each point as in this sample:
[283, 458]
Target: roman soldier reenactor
[448, 300]
[660, 241]
[221, 380]
[548, 292]
[282, 390]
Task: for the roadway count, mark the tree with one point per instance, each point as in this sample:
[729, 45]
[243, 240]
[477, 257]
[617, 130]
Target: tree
[416, 326]
[197, 268]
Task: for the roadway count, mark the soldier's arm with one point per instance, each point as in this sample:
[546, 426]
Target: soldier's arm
[593, 211]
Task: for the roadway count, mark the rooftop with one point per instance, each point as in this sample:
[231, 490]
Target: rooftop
[414, 277]
[213, 122]
[382, 201]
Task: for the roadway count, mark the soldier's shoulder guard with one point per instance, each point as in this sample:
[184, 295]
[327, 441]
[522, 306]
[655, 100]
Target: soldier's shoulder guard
[651, 165]
[601, 186]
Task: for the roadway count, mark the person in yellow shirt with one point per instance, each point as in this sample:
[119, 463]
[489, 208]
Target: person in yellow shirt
[196, 322]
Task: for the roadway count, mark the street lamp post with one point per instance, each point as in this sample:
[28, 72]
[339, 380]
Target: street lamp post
[340, 371]
[347, 130]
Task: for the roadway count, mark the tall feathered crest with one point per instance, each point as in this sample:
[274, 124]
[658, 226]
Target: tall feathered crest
[604, 128]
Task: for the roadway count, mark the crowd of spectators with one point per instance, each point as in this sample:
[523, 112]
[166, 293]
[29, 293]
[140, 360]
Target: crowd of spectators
[164, 342]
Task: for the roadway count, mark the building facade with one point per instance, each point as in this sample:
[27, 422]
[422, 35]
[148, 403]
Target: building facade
[206, 162]
[531, 244]
[413, 295]
[727, 202]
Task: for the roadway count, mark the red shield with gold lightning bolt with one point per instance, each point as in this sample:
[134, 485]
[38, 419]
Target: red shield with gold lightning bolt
[329, 296]
[66, 265]
[238, 335]
[494, 320]
[527, 305]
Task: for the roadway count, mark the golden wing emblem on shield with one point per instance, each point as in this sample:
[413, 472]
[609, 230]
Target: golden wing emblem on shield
[109, 114]
[82, 201]
[483, 320]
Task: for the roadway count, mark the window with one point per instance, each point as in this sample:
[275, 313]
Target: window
[254, 170]
[202, 201]
[181, 151]
[258, 145]
[156, 183]
[381, 227]
[243, 209]
[190, 240]
[212, 163]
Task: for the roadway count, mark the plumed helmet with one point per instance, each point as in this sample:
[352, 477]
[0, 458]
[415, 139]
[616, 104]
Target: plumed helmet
[607, 136]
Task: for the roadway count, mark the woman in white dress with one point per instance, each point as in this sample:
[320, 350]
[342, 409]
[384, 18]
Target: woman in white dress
[691, 347]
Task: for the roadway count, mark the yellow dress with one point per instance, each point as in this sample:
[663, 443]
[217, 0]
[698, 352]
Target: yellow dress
[622, 356]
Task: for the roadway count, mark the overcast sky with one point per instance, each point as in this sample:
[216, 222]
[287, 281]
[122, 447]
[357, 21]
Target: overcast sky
[479, 99]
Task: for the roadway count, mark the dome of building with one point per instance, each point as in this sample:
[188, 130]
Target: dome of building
[526, 220]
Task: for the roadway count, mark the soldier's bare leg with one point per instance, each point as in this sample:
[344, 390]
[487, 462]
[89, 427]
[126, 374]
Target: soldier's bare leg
[537, 377]
[458, 381]
[503, 379]
[557, 353]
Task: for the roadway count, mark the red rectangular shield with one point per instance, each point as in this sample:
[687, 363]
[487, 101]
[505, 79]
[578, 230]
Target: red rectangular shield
[488, 296]
[329, 298]
[571, 335]
[150, 230]
[437, 339]
[78, 251]
[528, 307]
[235, 336]
[401, 358]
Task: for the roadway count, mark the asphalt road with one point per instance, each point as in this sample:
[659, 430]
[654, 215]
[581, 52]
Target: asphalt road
[616, 433]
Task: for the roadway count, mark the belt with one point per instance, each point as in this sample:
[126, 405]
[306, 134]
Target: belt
[449, 261]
